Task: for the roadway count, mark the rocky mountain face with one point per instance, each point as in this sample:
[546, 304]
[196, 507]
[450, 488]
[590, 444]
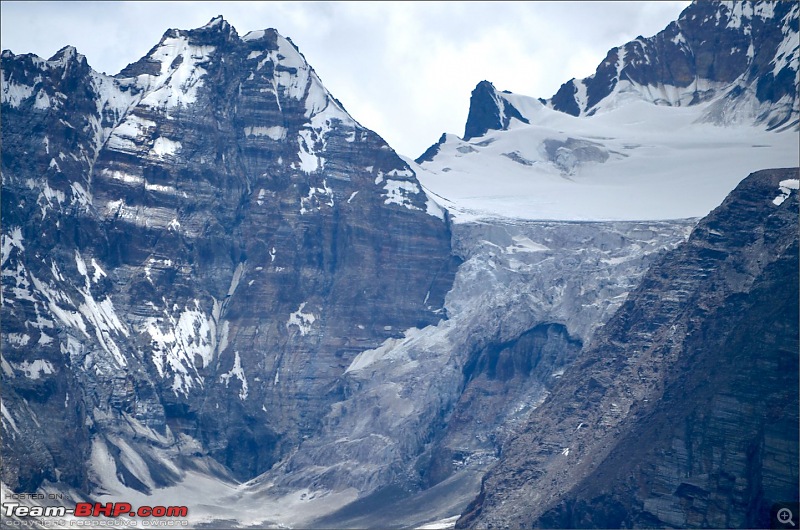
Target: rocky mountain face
[442, 399]
[193, 252]
[489, 110]
[739, 53]
[683, 409]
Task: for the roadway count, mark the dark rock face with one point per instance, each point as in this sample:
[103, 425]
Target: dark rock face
[565, 100]
[431, 152]
[488, 110]
[193, 252]
[495, 376]
[744, 50]
[683, 411]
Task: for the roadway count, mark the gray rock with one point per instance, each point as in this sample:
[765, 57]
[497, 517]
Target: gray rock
[682, 411]
[195, 249]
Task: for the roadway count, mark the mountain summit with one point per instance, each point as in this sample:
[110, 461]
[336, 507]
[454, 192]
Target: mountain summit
[743, 55]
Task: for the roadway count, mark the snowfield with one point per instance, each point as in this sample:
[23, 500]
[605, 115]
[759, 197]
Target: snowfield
[637, 162]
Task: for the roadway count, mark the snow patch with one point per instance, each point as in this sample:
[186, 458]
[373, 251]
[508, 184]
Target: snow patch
[164, 147]
[177, 84]
[14, 94]
[316, 198]
[13, 239]
[253, 35]
[132, 131]
[398, 191]
[98, 272]
[8, 420]
[787, 52]
[238, 373]
[179, 343]
[275, 133]
[42, 101]
[34, 370]
[237, 277]
[786, 187]
[18, 339]
[302, 320]
[100, 315]
[309, 161]
[49, 198]
[80, 195]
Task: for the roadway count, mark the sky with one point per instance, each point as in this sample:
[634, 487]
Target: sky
[403, 69]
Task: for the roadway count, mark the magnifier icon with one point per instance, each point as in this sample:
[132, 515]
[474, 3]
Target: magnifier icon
[785, 516]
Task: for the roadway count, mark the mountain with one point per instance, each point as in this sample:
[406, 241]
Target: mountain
[743, 55]
[683, 411]
[664, 129]
[193, 251]
[221, 291]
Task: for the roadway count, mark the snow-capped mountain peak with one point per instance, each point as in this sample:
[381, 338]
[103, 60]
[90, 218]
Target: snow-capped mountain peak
[743, 54]
[490, 109]
[664, 129]
[214, 168]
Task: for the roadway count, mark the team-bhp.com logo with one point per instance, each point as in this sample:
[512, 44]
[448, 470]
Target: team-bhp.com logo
[96, 509]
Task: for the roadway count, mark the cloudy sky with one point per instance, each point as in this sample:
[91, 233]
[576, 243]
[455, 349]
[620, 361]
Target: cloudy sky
[403, 69]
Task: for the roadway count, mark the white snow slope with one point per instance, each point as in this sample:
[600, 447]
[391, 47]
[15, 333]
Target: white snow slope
[639, 161]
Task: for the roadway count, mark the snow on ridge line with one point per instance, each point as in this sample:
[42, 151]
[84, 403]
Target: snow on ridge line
[176, 85]
[786, 187]
[253, 35]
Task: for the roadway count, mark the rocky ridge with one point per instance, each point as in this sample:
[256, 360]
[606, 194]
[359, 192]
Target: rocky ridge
[743, 54]
[682, 411]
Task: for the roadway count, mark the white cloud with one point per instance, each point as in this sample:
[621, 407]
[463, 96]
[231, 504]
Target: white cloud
[404, 69]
